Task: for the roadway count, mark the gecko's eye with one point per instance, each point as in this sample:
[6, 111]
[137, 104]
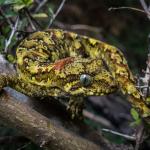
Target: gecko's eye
[85, 79]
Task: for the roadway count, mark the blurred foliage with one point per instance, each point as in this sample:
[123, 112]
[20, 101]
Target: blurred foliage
[26, 3]
[136, 117]
[20, 4]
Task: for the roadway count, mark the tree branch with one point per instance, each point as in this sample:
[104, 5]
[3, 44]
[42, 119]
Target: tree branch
[38, 128]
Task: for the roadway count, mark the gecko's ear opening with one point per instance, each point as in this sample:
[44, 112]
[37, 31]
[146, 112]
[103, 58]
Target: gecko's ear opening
[85, 79]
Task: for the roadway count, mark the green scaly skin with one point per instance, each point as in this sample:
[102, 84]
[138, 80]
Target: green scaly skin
[50, 63]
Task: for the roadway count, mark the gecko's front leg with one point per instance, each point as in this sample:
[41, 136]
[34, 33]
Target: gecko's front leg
[75, 107]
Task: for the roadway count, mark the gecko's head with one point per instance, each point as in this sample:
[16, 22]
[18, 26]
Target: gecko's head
[85, 77]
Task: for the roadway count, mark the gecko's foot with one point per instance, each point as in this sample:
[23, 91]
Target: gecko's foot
[75, 107]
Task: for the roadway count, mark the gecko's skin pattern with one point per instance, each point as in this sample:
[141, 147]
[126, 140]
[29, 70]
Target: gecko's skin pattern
[50, 63]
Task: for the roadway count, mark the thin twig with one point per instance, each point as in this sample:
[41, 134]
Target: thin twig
[97, 119]
[56, 13]
[41, 4]
[24, 146]
[32, 21]
[139, 136]
[7, 42]
[146, 78]
[142, 87]
[85, 27]
[77, 27]
[128, 137]
[145, 7]
[130, 8]
[6, 19]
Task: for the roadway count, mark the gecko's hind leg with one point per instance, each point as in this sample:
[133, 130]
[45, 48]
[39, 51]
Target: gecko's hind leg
[7, 80]
[75, 107]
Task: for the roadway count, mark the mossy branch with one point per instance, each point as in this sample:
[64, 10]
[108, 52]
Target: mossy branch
[38, 128]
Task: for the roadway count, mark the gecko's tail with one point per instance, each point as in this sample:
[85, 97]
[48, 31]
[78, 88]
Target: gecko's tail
[118, 66]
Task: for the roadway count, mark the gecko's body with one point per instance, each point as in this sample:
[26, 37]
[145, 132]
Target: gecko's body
[59, 63]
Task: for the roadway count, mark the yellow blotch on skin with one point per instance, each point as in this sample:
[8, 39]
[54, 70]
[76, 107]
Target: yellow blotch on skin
[59, 34]
[132, 90]
[20, 61]
[33, 69]
[116, 57]
[30, 43]
[37, 35]
[121, 70]
[20, 56]
[92, 41]
[94, 52]
[60, 74]
[110, 48]
[68, 86]
[91, 67]
[77, 44]
[40, 46]
[73, 35]
[54, 56]
[80, 91]
[47, 40]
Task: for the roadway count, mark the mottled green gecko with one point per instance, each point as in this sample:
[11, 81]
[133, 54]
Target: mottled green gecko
[61, 63]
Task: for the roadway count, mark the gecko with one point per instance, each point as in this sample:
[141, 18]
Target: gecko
[60, 63]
